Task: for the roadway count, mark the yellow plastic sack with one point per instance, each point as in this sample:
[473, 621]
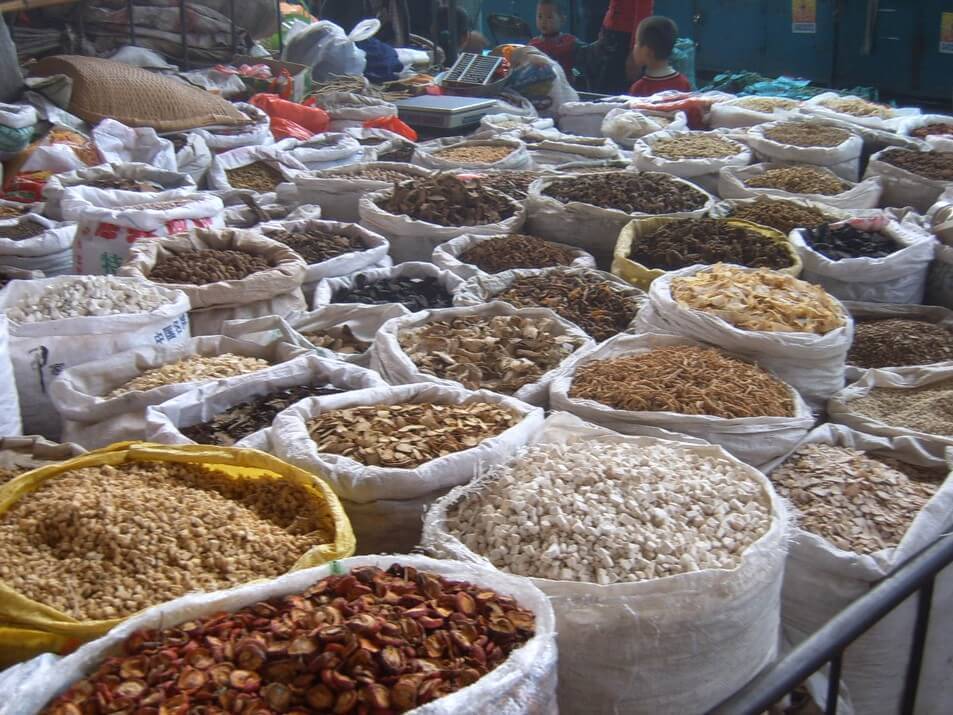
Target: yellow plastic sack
[642, 276]
[28, 628]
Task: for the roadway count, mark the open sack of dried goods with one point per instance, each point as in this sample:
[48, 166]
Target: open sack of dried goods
[11, 423]
[339, 190]
[329, 248]
[696, 156]
[861, 112]
[259, 169]
[555, 151]
[599, 303]
[863, 506]
[239, 412]
[324, 151]
[24, 454]
[108, 185]
[419, 214]
[414, 285]
[909, 402]
[192, 156]
[344, 332]
[246, 210]
[502, 626]
[868, 259]
[590, 210]
[647, 248]
[751, 111]
[469, 256]
[349, 110]
[109, 225]
[656, 385]
[515, 123]
[87, 540]
[57, 323]
[912, 178]
[585, 118]
[936, 130]
[791, 328]
[452, 153]
[120, 144]
[498, 347]
[105, 401]
[626, 126]
[799, 181]
[389, 452]
[808, 141]
[256, 131]
[226, 274]
[783, 215]
[675, 582]
[34, 243]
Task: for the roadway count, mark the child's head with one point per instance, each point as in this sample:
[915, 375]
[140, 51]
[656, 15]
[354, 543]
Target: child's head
[549, 17]
[654, 40]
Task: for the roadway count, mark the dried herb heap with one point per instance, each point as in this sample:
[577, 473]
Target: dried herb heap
[934, 165]
[338, 339]
[446, 200]
[138, 185]
[684, 379]
[933, 130]
[685, 242]
[765, 104]
[315, 245]
[371, 173]
[205, 266]
[236, 423]
[501, 353]
[503, 253]
[407, 435]
[286, 655]
[927, 409]
[696, 146]
[514, 184]
[856, 502]
[104, 542]
[601, 308]
[799, 180]
[196, 367]
[807, 134]
[413, 293]
[403, 153]
[759, 299]
[22, 229]
[845, 241]
[475, 153]
[785, 216]
[857, 107]
[647, 193]
[258, 176]
[899, 342]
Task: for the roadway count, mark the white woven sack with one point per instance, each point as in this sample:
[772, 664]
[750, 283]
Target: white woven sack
[821, 580]
[386, 505]
[843, 159]
[585, 226]
[120, 144]
[372, 148]
[349, 110]
[679, 644]
[938, 142]
[703, 172]
[10, 423]
[276, 291]
[32, 452]
[93, 419]
[626, 126]
[815, 106]
[201, 402]
[413, 240]
[585, 118]
[280, 160]
[51, 252]
[862, 195]
[324, 151]
[194, 159]
[395, 366]
[427, 156]
[754, 440]
[732, 115]
[904, 188]
[524, 684]
[71, 187]
[327, 288]
[898, 278]
[41, 351]
[505, 123]
[557, 151]
[269, 207]
[811, 364]
[256, 133]
[339, 193]
[362, 320]
[839, 407]
[447, 256]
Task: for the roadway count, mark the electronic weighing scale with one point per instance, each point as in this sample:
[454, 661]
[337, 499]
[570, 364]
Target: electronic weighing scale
[443, 112]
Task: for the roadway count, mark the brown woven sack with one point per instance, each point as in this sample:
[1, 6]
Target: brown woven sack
[106, 89]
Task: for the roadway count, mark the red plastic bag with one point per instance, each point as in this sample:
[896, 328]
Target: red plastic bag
[313, 119]
[393, 124]
[284, 128]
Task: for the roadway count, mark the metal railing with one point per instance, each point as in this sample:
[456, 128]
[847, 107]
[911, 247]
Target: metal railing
[827, 644]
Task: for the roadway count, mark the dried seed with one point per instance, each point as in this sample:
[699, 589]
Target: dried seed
[193, 368]
[696, 145]
[934, 165]
[807, 134]
[898, 343]
[928, 408]
[799, 180]
[208, 265]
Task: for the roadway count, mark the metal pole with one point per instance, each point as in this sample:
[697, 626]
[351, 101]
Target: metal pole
[184, 33]
[231, 20]
[453, 31]
[130, 15]
[281, 36]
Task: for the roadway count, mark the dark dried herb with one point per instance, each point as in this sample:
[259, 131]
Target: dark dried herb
[784, 216]
[142, 186]
[207, 266]
[503, 253]
[258, 176]
[414, 293]
[934, 165]
[315, 245]
[845, 241]
[647, 193]
[403, 153]
[898, 342]
[22, 230]
[448, 200]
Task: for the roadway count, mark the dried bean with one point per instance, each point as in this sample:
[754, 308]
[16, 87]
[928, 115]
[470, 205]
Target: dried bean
[196, 367]
[369, 641]
[339, 340]
[207, 265]
[899, 342]
[22, 229]
[685, 242]
[370, 173]
[926, 409]
[799, 180]
[315, 245]
[89, 296]
[765, 104]
[467, 153]
[684, 379]
[258, 176]
[696, 146]
[503, 253]
[857, 107]
[413, 293]
[845, 241]
[648, 193]
[448, 200]
[779, 214]
[934, 165]
[407, 435]
[933, 130]
[806, 134]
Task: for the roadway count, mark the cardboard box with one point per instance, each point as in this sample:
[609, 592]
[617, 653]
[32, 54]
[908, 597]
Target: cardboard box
[300, 76]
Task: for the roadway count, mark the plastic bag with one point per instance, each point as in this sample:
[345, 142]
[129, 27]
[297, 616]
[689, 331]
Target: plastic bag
[626, 126]
[17, 123]
[447, 256]
[904, 188]
[386, 504]
[120, 144]
[329, 287]
[540, 79]
[339, 193]
[50, 252]
[843, 159]
[393, 124]
[703, 172]
[311, 118]
[863, 195]
[327, 49]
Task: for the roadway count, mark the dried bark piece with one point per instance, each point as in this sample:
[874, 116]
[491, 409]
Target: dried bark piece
[448, 200]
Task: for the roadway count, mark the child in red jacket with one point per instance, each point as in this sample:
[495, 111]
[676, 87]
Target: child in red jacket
[654, 43]
[558, 45]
